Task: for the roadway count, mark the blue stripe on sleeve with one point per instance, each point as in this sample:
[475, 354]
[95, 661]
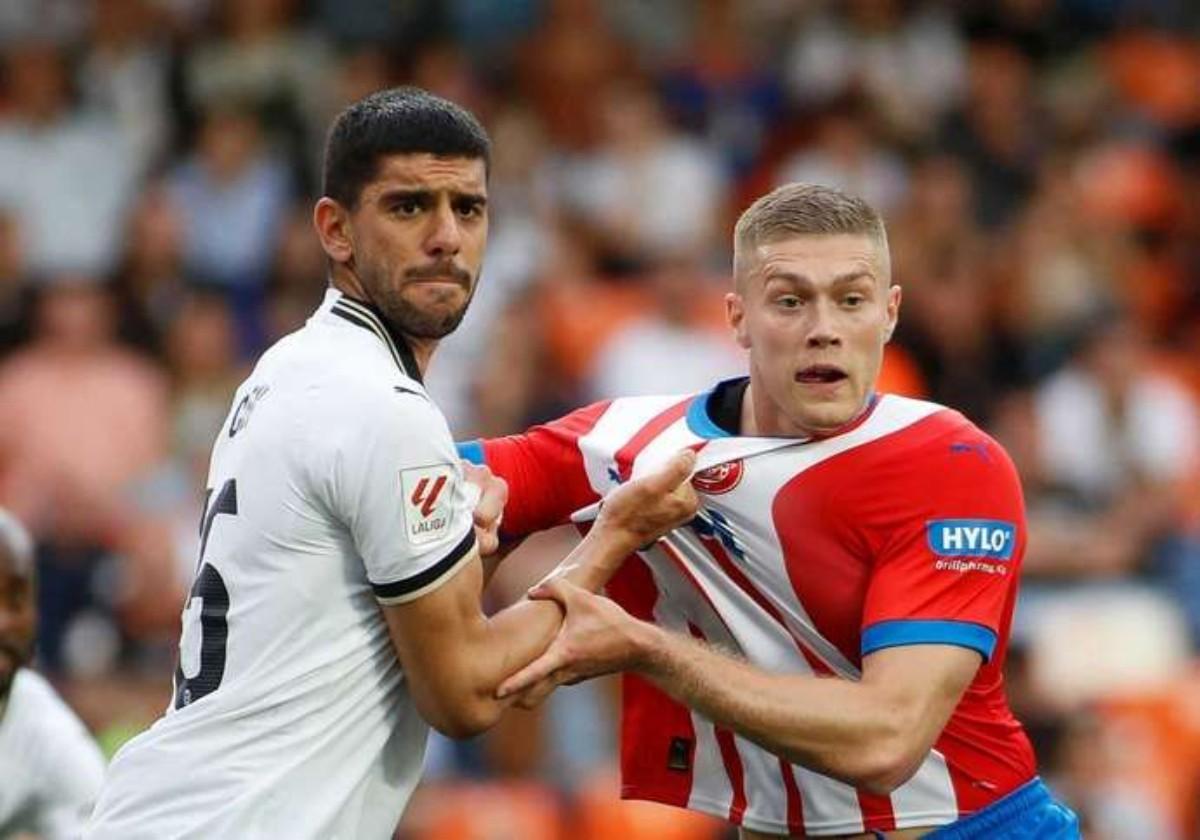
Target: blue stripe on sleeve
[911, 631]
[471, 450]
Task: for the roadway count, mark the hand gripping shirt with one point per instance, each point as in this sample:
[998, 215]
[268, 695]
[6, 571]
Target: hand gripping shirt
[905, 528]
[334, 486]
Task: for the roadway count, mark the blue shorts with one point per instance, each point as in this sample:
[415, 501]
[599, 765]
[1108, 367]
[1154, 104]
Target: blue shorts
[1030, 812]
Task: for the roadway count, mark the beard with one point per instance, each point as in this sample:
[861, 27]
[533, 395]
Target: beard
[417, 321]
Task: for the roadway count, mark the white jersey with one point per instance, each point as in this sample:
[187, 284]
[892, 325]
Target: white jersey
[334, 484]
[50, 768]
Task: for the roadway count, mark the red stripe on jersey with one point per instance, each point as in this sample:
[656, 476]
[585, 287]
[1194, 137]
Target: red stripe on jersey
[733, 767]
[651, 720]
[795, 804]
[717, 550]
[730, 758]
[877, 811]
[628, 453]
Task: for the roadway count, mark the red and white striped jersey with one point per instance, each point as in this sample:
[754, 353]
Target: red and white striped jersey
[906, 527]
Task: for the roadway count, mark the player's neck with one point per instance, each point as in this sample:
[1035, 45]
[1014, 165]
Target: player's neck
[762, 418]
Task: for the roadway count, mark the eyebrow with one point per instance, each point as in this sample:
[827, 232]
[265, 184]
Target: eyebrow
[803, 280]
[424, 195]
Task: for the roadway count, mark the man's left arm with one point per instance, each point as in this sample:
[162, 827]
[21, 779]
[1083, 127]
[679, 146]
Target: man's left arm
[939, 600]
[872, 734]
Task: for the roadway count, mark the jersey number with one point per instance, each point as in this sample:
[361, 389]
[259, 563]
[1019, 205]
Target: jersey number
[208, 603]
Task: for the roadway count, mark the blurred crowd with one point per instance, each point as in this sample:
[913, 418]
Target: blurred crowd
[1037, 162]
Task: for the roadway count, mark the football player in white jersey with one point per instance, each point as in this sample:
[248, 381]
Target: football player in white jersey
[336, 604]
[50, 768]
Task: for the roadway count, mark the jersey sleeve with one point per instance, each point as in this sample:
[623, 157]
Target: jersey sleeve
[946, 567]
[391, 474]
[545, 470]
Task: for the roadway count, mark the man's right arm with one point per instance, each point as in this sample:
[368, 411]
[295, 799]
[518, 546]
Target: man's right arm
[455, 657]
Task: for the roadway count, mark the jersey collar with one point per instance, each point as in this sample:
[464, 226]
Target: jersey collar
[364, 315]
[702, 424]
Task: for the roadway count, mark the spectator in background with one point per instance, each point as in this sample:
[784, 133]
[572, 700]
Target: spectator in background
[910, 66]
[14, 296]
[260, 56]
[996, 132]
[1117, 442]
[669, 348]
[124, 73]
[847, 157]
[721, 87]
[50, 765]
[299, 275]
[151, 281]
[620, 188]
[67, 174]
[232, 193]
[81, 419]
[570, 56]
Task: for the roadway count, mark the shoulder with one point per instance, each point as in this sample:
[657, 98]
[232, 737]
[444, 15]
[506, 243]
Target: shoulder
[927, 432]
[923, 455]
[38, 710]
[339, 375]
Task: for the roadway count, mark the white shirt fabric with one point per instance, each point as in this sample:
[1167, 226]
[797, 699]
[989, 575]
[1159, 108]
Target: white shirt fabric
[70, 184]
[644, 359]
[50, 768]
[334, 483]
[1091, 451]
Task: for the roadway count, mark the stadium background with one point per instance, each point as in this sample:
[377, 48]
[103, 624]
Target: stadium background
[1038, 163]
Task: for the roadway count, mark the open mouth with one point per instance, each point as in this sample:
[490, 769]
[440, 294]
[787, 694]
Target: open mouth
[820, 374]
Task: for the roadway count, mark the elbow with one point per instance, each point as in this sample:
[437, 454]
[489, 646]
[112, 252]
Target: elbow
[885, 765]
[463, 718]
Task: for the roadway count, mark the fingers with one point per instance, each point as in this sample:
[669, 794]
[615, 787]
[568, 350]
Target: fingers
[487, 541]
[540, 669]
[493, 493]
[533, 697]
[553, 588]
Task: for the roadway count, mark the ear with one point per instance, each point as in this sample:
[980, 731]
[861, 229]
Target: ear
[332, 223]
[893, 312]
[735, 314]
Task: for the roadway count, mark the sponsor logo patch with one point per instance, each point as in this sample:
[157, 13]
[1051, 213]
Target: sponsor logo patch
[990, 538]
[719, 479]
[428, 502]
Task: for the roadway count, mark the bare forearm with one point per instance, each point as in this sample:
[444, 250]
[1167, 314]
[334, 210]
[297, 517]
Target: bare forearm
[518, 634]
[837, 727]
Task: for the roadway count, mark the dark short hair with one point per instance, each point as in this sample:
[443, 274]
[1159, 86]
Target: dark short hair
[403, 120]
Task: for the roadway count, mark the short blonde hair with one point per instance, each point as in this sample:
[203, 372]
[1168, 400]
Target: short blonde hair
[805, 210]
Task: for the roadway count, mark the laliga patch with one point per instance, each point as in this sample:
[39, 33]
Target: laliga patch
[428, 502]
[718, 479]
[989, 538]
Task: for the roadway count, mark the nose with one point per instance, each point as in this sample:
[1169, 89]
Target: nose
[444, 238]
[823, 330]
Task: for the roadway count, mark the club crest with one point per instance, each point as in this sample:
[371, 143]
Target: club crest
[718, 479]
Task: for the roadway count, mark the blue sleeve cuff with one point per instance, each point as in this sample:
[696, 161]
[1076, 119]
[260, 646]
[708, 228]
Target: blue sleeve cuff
[904, 631]
[471, 450]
